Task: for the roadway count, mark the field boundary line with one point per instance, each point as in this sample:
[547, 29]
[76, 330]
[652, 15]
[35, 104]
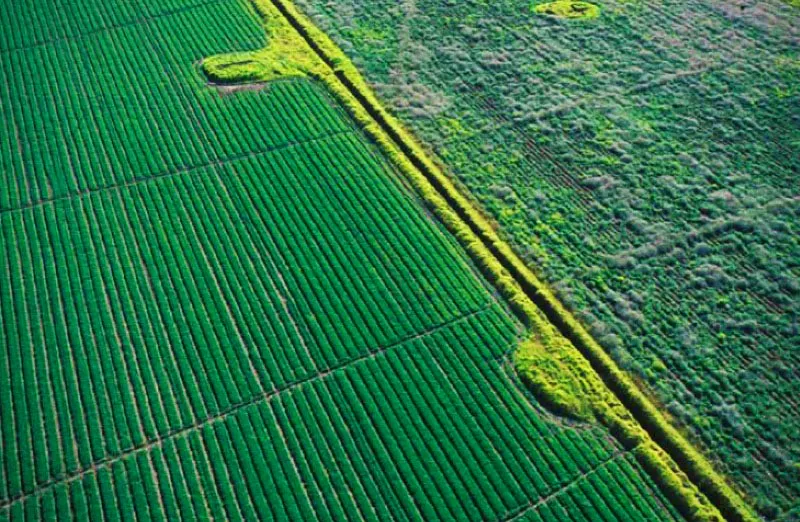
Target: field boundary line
[233, 408]
[170, 173]
[679, 469]
[532, 505]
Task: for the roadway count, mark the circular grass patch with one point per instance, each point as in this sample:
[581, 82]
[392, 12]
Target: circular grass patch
[568, 9]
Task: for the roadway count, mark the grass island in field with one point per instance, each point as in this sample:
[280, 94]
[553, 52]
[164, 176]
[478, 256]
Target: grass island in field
[568, 9]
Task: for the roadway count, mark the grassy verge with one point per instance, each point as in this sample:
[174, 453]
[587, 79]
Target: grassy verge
[561, 362]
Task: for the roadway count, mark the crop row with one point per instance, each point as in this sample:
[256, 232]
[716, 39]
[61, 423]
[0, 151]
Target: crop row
[145, 113]
[411, 433]
[56, 21]
[169, 301]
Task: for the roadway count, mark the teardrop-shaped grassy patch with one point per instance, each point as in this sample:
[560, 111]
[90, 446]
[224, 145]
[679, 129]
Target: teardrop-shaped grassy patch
[568, 9]
[286, 54]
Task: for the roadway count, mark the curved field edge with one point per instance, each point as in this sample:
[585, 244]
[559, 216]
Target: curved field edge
[561, 357]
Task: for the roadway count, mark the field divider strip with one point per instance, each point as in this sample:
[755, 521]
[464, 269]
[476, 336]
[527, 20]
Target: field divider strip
[680, 470]
[232, 409]
[171, 173]
[522, 510]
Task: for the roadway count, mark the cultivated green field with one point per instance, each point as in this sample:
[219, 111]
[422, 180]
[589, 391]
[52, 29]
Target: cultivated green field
[645, 163]
[226, 304]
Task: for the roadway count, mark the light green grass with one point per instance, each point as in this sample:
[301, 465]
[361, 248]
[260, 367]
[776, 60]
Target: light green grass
[286, 56]
[568, 9]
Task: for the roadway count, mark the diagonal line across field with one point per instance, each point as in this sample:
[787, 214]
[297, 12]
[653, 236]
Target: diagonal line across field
[523, 510]
[168, 174]
[256, 399]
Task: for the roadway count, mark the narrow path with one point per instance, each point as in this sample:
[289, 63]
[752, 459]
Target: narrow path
[167, 174]
[522, 510]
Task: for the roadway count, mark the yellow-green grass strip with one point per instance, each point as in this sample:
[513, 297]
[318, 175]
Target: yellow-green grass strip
[563, 364]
